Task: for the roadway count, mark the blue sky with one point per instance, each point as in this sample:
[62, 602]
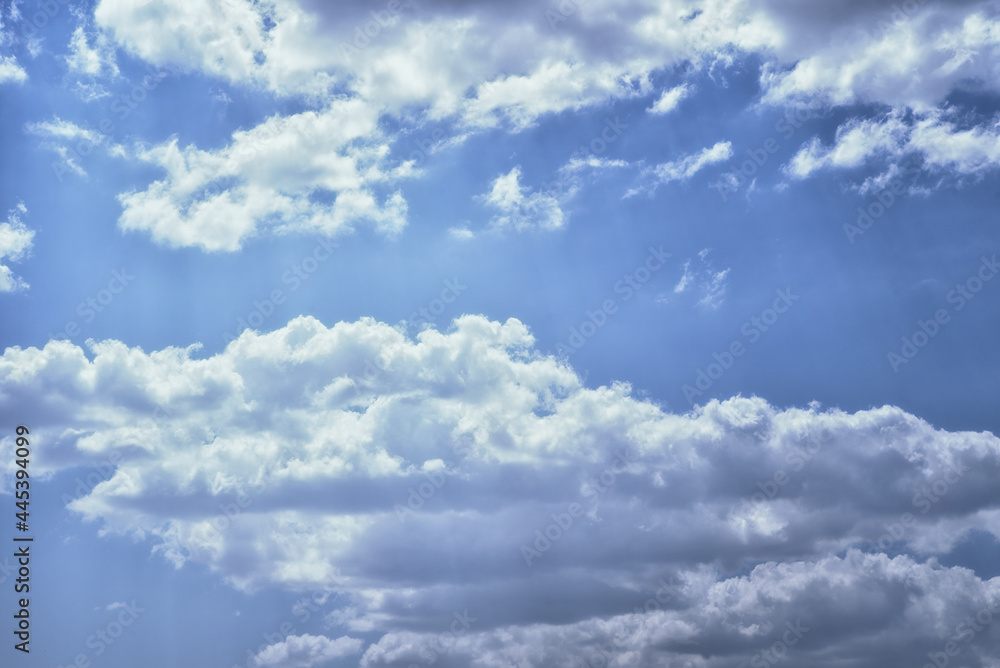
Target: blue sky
[397, 283]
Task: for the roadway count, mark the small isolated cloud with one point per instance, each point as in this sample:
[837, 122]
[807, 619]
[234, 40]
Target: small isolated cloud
[69, 141]
[715, 289]
[92, 61]
[10, 71]
[520, 209]
[90, 92]
[577, 164]
[685, 278]
[221, 97]
[306, 651]
[61, 130]
[15, 242]
[463, 233]
[267, 179]
[669, 100]
[681, 170]
[221, 102]
[702, 278]
[685, 168]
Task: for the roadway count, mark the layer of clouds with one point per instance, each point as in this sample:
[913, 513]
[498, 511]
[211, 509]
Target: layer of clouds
[463, 475]
[911, 54]
[860, 610]
[476, 67]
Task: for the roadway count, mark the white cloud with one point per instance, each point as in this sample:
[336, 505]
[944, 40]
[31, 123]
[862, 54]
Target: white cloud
[520, 209]
[306, 651]
[685, 278]
[91, 92]
[682, 169]
[65, 131]
[966, 151]
[518, 67]
[577, 164]
[938, 141]
[869, 609]
[15, 242]
[704, 279]
[91, 61]
[348, 446]
[553, 87]
[69, 141]
[267, 179]
[715, 290]
[219, 38]
[884, 54]
[475, 66]
[10, 71]
[669, 100]
[461, 233]
[688, 166]
[856, 141]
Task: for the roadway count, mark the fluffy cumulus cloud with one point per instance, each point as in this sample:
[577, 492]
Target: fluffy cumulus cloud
[219, 38]
[316, 171]
[503, 66]
[905, 57]
[910, 54]
[473, 501]
[15, 242]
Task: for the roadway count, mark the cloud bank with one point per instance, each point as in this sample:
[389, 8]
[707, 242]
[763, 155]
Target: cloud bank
[472, 499]
[474, 67]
